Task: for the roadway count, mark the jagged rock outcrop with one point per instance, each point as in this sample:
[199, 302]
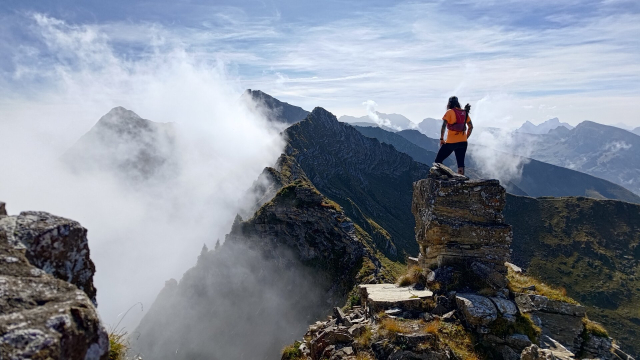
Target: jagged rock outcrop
[459, 221]
[43, 315]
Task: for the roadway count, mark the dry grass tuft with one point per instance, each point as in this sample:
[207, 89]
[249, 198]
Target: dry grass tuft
[364, 339]
[393, 326]
[414, 275]
[459, 340]
[292, 352]
[364, 356]
[118, 344]
[432, 327]
[594, 328]
[518, 282]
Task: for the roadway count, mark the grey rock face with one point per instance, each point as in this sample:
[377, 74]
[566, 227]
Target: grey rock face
[42, 317]
[533, 352]
[54, 244]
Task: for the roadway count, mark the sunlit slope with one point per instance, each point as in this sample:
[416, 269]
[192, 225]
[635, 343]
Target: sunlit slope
[591, 248]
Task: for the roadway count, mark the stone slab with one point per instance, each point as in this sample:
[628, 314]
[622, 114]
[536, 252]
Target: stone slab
[384, 296]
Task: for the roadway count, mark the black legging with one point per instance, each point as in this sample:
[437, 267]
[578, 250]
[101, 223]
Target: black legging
[460, 149]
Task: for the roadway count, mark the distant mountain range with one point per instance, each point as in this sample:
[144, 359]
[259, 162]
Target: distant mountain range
[431, 127]
[604, 151]
[538, 178]
[544, 128]
[390, 122]
[607, 152]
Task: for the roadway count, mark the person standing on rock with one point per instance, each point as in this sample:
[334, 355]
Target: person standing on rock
[455, 121]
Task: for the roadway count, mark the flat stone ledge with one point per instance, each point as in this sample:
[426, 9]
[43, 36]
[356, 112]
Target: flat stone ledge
[384, 296]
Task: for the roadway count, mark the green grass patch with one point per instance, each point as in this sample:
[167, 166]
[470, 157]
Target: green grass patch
[292, 352]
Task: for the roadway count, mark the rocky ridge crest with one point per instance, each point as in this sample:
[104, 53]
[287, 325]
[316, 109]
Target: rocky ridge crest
[466, 301]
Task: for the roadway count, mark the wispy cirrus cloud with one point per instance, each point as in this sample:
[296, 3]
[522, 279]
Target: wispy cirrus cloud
[408, 57]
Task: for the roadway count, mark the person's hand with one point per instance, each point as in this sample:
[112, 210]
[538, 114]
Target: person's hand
[441, 142]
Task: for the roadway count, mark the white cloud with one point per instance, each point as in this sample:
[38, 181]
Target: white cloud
[139, 236]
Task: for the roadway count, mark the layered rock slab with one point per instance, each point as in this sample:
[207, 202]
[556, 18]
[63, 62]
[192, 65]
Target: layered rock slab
[378, 297]
[460, 221]
[41, 316]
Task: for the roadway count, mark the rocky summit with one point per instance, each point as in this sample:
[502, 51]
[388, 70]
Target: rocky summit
[466, 302]
[47, 295]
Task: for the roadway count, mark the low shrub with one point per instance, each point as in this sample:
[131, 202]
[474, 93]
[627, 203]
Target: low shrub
[292, 352]
[118, 344]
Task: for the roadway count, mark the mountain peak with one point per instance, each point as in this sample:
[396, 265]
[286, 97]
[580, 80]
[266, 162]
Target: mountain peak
[121, 112]
[276, 110]
[118, 116]
[323, 114]
[543, 128]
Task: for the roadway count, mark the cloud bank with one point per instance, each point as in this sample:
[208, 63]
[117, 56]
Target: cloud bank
[140, 235]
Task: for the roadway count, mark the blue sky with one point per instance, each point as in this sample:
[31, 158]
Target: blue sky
[513, 60]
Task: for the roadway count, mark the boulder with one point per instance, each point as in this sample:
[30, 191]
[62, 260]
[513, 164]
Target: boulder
[518, 341]
[506, 308]
[477, 310]
[41, 316]
[54, 244]
[3, 209]
[558, 350]
[533, 352]
[329, 337]
[357, 330]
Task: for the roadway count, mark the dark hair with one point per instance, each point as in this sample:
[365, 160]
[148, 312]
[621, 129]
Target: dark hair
[454, 103]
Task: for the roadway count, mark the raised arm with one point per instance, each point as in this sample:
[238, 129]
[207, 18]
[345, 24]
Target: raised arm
[444, 127]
